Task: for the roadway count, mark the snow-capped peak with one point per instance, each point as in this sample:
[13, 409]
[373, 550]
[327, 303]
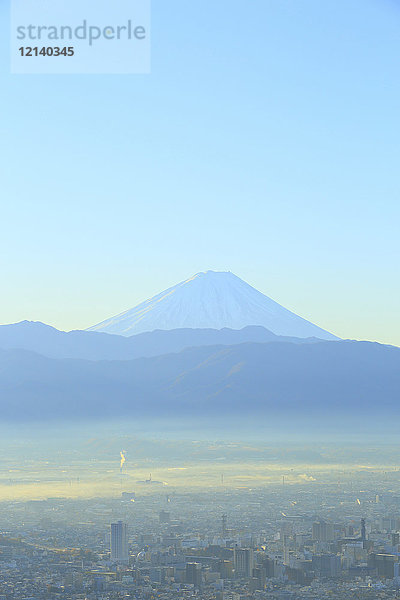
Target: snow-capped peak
[213, 300]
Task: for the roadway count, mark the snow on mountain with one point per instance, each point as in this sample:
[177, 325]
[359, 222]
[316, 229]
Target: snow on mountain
[210, 300]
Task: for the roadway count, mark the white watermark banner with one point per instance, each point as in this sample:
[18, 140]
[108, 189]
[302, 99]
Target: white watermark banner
[80, 36]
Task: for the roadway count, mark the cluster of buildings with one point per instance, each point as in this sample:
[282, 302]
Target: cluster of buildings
[239, 544]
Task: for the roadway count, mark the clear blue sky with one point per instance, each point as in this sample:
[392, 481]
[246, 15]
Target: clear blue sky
[265, 142]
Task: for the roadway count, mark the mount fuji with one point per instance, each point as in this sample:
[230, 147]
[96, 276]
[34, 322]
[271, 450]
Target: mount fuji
[211, 300]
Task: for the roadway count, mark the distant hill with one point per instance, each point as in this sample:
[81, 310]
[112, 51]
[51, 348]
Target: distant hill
[52, 343]
[211, 300]
[281, 379]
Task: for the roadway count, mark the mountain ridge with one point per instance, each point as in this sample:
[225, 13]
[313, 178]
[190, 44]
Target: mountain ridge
[276, 378]
[91, 345]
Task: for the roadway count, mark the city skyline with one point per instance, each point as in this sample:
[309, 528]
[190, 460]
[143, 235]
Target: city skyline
[328, 530]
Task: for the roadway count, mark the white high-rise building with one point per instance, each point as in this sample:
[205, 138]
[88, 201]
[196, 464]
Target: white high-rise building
[119, 542]
[244, 561]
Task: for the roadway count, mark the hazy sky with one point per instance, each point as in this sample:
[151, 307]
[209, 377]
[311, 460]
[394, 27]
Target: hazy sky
[265, 142]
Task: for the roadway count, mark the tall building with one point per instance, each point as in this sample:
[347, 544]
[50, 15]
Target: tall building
[327, 565]
[323, 532]
[387, 565]
[225, 568]
[119, 542]
[193, 574]
[363, 530]
[224, 528]
[244, 562]
[259, 578]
